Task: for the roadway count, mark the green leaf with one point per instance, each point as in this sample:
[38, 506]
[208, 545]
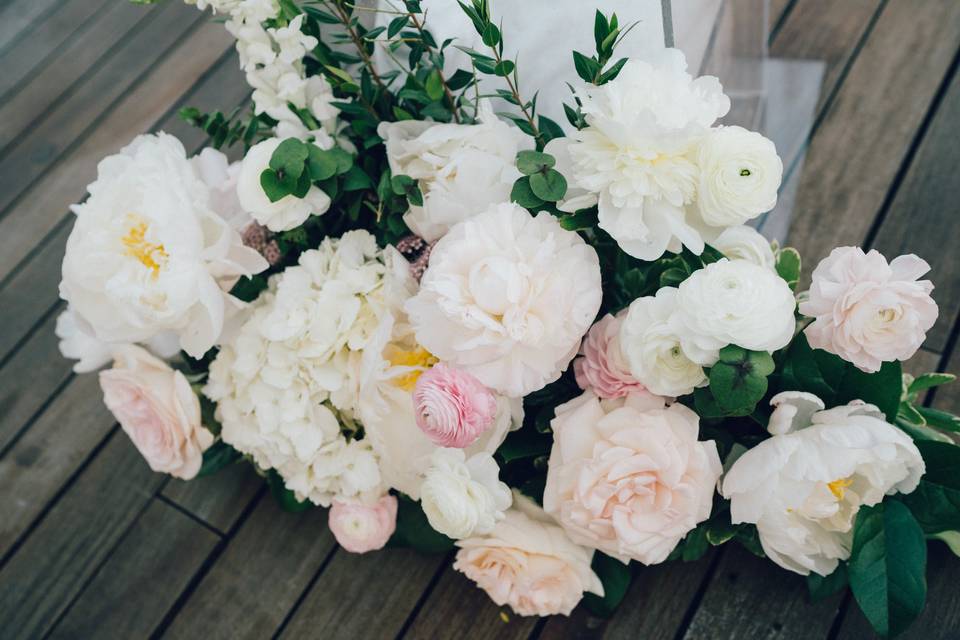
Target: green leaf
[587, 68]
[504, 68]
[273, 186]
[600, 29]
[406, 186]
[460, 79]
[396, 26]
[887, 566]
[673, 276]
[584, 219]
[356, 180]
[414, 530]
[936, 501]
[531, 162]
[550, 185]
[284, 497]
[491, 35]
[218, 456]
[739, 379]
[288, 160]
[344, 160]
[525, 443]
[823, 587]
[920, 431]
[951, 539]
[549, 129]
[321, 164]
[930, 380]
[788, 266]
[616, 577]
[434, 85]
[612, 72]
[695, 545]
[940, 419]
[523, 195]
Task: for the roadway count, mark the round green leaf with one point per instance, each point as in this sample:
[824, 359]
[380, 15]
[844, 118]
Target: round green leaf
[531, 162]
[549, 185]
[523, 195]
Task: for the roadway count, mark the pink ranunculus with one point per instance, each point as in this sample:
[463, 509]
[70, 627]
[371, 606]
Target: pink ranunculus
[628, 476]
[452, 407]
[601, 367]
[360, 527]
[156, 407]
[867, 311]
[528, 563]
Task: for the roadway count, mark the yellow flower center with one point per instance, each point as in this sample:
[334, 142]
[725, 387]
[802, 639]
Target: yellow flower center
[418, 357]
[150, 255]
[839, 487]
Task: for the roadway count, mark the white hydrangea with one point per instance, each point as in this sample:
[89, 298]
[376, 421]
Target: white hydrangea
[290, 375]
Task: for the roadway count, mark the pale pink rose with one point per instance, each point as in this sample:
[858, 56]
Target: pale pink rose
[528, 563]
[452, 407]
[867, 311]
[601, 367]
[628, 476]
[360, 527]
[156, 407]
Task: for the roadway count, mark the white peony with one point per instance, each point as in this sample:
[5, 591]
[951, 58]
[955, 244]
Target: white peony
[745, 243]
[291, 373]
[77, 342]
[148, 253]
[652, 347]
[740, 174]
[507, 297]
[636, 157]
[804, 487]
[287, 213]
[461, 169]
[463, 496]
[733, 302]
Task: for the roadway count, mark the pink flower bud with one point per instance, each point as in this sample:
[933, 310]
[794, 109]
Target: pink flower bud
[359, 527]
[452, 407]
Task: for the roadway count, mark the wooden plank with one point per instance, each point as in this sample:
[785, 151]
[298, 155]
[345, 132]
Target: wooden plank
[457, 608]
[379, 590]
[750, 597]
[868, 130]
[39, 463]
[30, 156]
[219, 499]
[43, 207]
[68, 23]
[259, 577]
[65, 72]
[654, 607]
[53, 564]
[17, 18]
[132, 592]
[920, 218]
[948, 397]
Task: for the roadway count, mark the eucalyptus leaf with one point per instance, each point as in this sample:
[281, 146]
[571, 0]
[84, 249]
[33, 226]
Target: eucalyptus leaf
[739, 378]
[524, 196]
[321, 164]
[531, 162]
[274, 188]
[549, 185]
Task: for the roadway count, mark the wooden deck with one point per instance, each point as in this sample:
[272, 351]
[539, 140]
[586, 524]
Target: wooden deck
[93, 544]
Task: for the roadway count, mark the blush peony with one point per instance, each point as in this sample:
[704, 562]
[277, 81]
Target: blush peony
[601, 367]
[528, 563]
[360, 527]
[804, 487]
[452, 407]
[507, 297]
[156, 407]
[867, 311]
[629, 477]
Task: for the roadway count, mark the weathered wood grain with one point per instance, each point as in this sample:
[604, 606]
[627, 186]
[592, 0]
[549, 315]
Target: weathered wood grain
[750, 597]
[133, 590]
[379, 589]
[915, 221]
[948, 396]
[219, 499]
[38, 464]
[259, 577]
[19, 17]
[67, 23]
[68, 546]
[457, 608]
[27, 159]
[868, 130]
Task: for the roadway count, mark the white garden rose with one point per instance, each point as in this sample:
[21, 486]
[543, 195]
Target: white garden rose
[463, 496]
[740, 174]
[507, 297]
[636, 156]
[286, 213]
[804, 487]
[653, 350]
[461, 169]
[148, 253]
[745, 243]
[733, 302]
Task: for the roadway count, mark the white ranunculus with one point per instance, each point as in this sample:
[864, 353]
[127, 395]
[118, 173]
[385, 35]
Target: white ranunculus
[148, 252]
[507, 297]
[804, 487]
[636, 156]
[284, 214]
[733, 302]
[745, 243]
[462, 169]
[740, 174]
[463, 496]
[652, 347]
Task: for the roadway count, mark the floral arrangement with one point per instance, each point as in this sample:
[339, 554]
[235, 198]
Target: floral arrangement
[555, 349]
